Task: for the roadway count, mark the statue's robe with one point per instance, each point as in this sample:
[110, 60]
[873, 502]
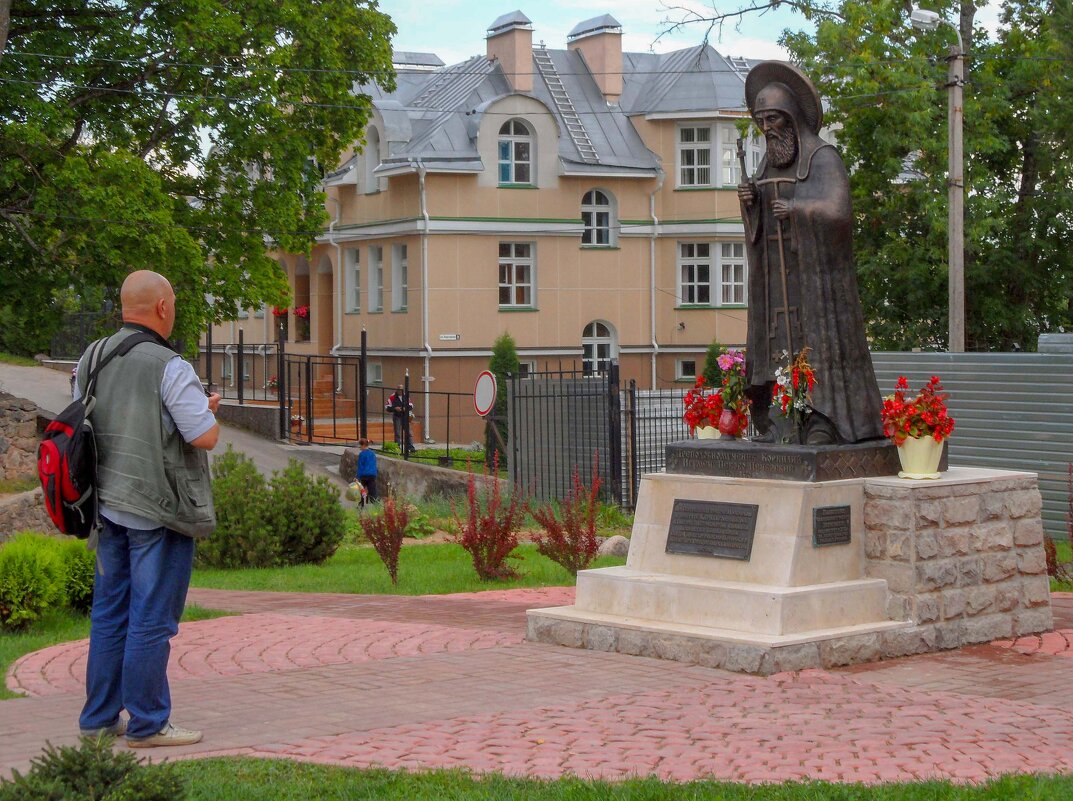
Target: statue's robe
[821, 282]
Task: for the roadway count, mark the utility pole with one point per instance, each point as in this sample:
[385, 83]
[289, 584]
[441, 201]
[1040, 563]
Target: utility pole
[956, 198]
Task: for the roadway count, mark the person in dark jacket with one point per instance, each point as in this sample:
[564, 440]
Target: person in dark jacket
[401, 409]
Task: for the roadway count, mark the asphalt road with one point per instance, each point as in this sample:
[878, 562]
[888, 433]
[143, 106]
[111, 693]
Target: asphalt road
[50, 390]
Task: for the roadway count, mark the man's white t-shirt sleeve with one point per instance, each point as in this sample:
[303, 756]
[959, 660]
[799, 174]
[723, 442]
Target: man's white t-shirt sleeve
[184, 400]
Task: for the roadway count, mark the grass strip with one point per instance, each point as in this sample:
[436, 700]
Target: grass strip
[426, 569]
[238, 779]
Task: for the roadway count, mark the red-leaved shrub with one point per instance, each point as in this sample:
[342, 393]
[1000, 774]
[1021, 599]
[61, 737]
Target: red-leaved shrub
[489, 531]
[571, 541]
[385, 532]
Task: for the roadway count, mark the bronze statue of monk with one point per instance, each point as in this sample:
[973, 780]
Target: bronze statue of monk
[802, 278]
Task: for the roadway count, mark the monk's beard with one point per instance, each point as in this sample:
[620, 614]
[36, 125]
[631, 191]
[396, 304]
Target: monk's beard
[782, 147]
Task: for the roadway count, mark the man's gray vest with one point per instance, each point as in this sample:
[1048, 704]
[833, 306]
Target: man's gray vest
[142, 469]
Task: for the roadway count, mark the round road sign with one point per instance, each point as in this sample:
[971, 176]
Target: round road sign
[484, 393]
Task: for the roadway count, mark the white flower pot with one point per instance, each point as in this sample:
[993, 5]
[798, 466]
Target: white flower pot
[707, 432]
[920, 457]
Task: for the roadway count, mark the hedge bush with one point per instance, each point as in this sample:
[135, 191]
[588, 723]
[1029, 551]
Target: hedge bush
[92, 771]
[305, 514]
[243, 537]
[32, 579]
[80, 568]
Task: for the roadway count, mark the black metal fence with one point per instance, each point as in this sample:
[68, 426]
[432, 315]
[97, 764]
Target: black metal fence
[79, 330]
[243, 372]
[563, 421]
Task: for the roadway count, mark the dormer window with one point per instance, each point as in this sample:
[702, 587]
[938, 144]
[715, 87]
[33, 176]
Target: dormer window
[515, 153]
[371, 157]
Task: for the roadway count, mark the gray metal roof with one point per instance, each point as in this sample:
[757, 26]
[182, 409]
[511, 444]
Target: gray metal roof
[406, 58]
[511, 20]
[600, 23]
[433, 115]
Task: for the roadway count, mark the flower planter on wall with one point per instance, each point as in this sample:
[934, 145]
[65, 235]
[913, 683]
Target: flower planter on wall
[920, 457]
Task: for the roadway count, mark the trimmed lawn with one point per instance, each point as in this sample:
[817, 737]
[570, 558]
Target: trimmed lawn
[234, 779]
[426, 569]
[18, 361]
[62, 625]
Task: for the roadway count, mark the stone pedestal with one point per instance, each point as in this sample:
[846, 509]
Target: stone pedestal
[912, 566]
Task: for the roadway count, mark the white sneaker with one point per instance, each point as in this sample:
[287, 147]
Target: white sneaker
[169, 735]
[117, 729]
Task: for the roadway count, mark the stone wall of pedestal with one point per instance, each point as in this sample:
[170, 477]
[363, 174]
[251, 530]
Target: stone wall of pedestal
[962, 556]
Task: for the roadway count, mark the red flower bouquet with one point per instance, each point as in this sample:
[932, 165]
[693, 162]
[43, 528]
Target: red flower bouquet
[923, 416]
[280, 311]
[301, 312]
[702, 408]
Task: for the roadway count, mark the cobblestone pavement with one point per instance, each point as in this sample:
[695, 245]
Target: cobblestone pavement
[448, 681]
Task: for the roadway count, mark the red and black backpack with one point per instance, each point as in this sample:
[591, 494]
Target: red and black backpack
[67, 456]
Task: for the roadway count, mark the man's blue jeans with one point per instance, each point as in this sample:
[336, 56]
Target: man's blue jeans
[138, 597]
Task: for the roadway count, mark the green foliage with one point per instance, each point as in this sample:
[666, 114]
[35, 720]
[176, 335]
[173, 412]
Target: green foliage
[305, 514]
[31, 579]
[102, 121]
[92, 770]
[612, 516]
[489, 532]
[889, 100]
[79, 569]
[569, 537]
[420, 525]
[504, 360]
[391, 448]
[713, 375]
[11, 486]
[243, 537]
[385, 531]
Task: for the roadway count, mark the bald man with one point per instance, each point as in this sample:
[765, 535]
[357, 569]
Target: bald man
[154, 427]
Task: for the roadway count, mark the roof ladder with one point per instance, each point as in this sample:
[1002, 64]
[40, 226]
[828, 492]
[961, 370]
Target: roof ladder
[574, 126]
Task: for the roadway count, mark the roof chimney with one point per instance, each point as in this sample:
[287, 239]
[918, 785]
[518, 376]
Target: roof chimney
[599, 41]
[510, 40]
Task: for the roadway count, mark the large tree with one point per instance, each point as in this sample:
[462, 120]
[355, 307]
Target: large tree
[181, 136]
[886, 88]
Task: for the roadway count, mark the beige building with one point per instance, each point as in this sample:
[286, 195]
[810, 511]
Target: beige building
[581, 199]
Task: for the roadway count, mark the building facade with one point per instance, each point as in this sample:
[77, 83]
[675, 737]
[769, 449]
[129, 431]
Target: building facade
[583, 200]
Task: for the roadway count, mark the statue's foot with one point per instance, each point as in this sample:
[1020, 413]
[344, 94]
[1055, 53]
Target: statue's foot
[766, 437]
[821, 431]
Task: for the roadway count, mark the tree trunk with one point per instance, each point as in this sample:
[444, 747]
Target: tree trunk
[5, 24]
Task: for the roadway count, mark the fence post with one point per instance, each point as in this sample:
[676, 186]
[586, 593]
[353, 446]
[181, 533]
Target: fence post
[406, 418]
[363, 389]
[281, 386]
[631, 442]
[208, 347]
[614, 429]
[309, 398]
[240, 367]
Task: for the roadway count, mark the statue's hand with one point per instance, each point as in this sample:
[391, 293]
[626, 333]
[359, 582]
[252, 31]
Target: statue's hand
[747, 193]
[781, 208]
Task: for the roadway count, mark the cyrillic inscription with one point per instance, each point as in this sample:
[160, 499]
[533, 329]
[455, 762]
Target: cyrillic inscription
[711, 528]
[830, 525]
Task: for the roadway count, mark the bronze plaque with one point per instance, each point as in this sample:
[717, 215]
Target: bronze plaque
[711, 528]
[830, 525]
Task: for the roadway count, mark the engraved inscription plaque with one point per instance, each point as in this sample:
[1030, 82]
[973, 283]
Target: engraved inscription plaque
[710, 528]
[830, 525]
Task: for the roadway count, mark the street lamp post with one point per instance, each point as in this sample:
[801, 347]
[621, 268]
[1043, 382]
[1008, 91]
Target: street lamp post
[930, 21]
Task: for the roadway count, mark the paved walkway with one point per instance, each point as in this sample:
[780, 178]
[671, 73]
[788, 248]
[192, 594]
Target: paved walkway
[448, 681]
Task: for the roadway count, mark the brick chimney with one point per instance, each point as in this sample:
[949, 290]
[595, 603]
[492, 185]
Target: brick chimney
[510, 41]
[599, 40]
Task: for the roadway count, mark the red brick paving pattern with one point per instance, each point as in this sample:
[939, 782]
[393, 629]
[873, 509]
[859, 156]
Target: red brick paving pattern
[447, 682]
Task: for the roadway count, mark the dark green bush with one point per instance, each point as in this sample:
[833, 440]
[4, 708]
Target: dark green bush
[305, 514]
[79, 568]
[31, 579]
[243, 537]
[92, 771]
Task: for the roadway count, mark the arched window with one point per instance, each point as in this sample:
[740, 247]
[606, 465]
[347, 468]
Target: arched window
[597, 347]
[596, 218]
[515, 153]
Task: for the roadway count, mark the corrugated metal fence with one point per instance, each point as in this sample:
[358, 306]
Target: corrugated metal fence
[1013, 411]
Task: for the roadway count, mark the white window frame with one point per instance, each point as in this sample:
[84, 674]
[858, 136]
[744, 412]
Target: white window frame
[526, 368]
[517, 273]
[371, 160]
[695, 144]
[693, 259]
[376, 278]
[516, 137]
[598, 220]
[400, 276]
[243, 314]
[681, 374]
[729, 167]
[733, 274]
[260, 311]
[352, 278]
[597, 350]
[374, 373]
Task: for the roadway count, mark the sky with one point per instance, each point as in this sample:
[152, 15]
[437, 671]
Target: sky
[455, 29]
